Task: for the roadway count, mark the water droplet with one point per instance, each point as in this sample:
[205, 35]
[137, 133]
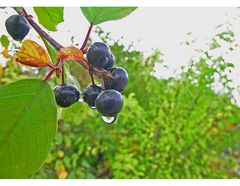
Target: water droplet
[81, 99]
[109, 120]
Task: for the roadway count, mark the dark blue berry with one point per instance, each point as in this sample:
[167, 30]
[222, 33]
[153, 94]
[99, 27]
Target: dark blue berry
[99, 55]
[119, 79]
[110, 64]
[66, 95]
[109, 103]
[90, 94]
[17, 26]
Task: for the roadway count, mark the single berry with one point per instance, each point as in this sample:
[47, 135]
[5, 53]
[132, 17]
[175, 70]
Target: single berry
[66, 95]
[17, 26]
[109, 103]
[119, 79]
[99, 55]
[110, 63]
[90, 94]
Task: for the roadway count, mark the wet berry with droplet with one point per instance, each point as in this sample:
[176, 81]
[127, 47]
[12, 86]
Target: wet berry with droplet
[109, 103]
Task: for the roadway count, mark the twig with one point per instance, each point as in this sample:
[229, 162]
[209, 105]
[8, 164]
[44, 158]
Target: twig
[100, 73]
[39, 30]
[86, 38]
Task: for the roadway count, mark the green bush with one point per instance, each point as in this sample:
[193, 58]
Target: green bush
[169, 128]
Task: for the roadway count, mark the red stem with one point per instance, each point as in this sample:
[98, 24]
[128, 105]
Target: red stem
[50, 73]
[87, 37]
[91, 75]
[84, 51]
[63, 81]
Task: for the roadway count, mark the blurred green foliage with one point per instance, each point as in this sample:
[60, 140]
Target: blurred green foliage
[169, 128]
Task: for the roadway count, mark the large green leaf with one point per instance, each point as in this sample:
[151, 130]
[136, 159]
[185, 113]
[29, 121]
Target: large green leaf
[28, 118]
[49, 17]
[97, 15]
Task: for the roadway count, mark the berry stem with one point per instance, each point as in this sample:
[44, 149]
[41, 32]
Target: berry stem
[50, 73]
[53, 69]
[103, 85]
[91, 75]
[84, 51]
[63, 80]
[50, 66]
[86, 38]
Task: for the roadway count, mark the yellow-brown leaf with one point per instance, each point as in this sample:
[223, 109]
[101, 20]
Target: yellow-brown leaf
[32, 54]
[70, 53]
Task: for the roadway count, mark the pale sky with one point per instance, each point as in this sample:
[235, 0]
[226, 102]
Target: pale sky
[162, 28]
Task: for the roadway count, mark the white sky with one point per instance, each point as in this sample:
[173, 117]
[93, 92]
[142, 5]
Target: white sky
[162, 28]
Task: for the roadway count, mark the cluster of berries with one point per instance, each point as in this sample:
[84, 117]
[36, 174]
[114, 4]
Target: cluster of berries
[107, 99]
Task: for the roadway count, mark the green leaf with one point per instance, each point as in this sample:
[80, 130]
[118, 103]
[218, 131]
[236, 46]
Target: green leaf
[4, 41]
[49, 17]
[51, 50]
[230, 65]
[27, 127]
[97, 15]
[70, 78]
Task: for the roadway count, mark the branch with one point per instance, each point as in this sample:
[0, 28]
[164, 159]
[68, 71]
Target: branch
[39, 30]
[100, 73]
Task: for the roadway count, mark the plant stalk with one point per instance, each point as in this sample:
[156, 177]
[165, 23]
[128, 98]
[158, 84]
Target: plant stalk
[100, 73]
